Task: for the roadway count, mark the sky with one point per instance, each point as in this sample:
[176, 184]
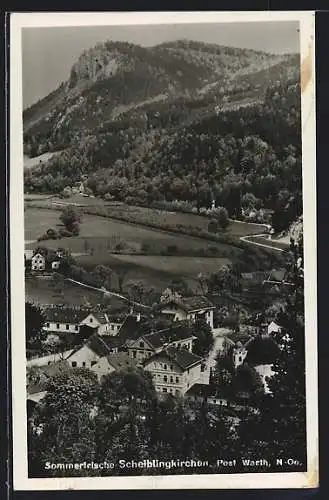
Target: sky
[49, 53]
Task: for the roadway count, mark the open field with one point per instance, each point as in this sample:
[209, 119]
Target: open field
[157, 271]
[153, 272]
[99, 235]
[44, 291]
[178, 265]
[152, 216]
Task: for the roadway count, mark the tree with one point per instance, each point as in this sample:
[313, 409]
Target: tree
[287, 404]
[137, 291]
[223, 219]
[121, 274]
[103, 276]
[248, 201]
[281, 426]
[247, 380]
[203, 281]
[65, 423]
[179, 285]
[67, 192]
[127, 401]
[34, 321]
[213, 226]
[226, 279]
[204, 337]
[223, 374]
[70, 217]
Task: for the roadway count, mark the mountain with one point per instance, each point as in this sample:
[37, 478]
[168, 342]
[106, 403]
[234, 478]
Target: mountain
[143, 124]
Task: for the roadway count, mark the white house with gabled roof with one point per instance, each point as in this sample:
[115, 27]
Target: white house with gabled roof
[174, 370]
[189, 308]
[38, 262]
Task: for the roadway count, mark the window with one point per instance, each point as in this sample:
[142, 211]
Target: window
[74, 364]
[141, 344]
[164, 389]
[177, 380]
[47, 325]
[91, 320]
[57, 326]
[67, 326]
[171, 367]
[171, 380]
[84, 364]
[165, 378]
[49, 363]
[76, 328]
[165, 366]
[134, 354]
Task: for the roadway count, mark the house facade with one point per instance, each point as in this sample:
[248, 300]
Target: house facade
[95, 348]
[190, 308]
[105, 324]
[59, 320]
[273, 328]
[38, 262]
[174, 370]
[239, 355]
[146, 345]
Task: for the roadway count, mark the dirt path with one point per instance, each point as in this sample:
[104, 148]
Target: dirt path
[106, 292]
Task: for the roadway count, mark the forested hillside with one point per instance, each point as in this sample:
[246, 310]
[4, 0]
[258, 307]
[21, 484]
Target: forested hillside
[180, 121]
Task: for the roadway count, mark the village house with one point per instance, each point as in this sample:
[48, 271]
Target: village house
[132, 327]
[102, 322]
[28, 254]
[273, 328]
[96, 347]
[146, 345]
[55, 264]
[111, 363]
[59, 320]
[189, 308]
[174, 370]
[200, 393]
[38, 262]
